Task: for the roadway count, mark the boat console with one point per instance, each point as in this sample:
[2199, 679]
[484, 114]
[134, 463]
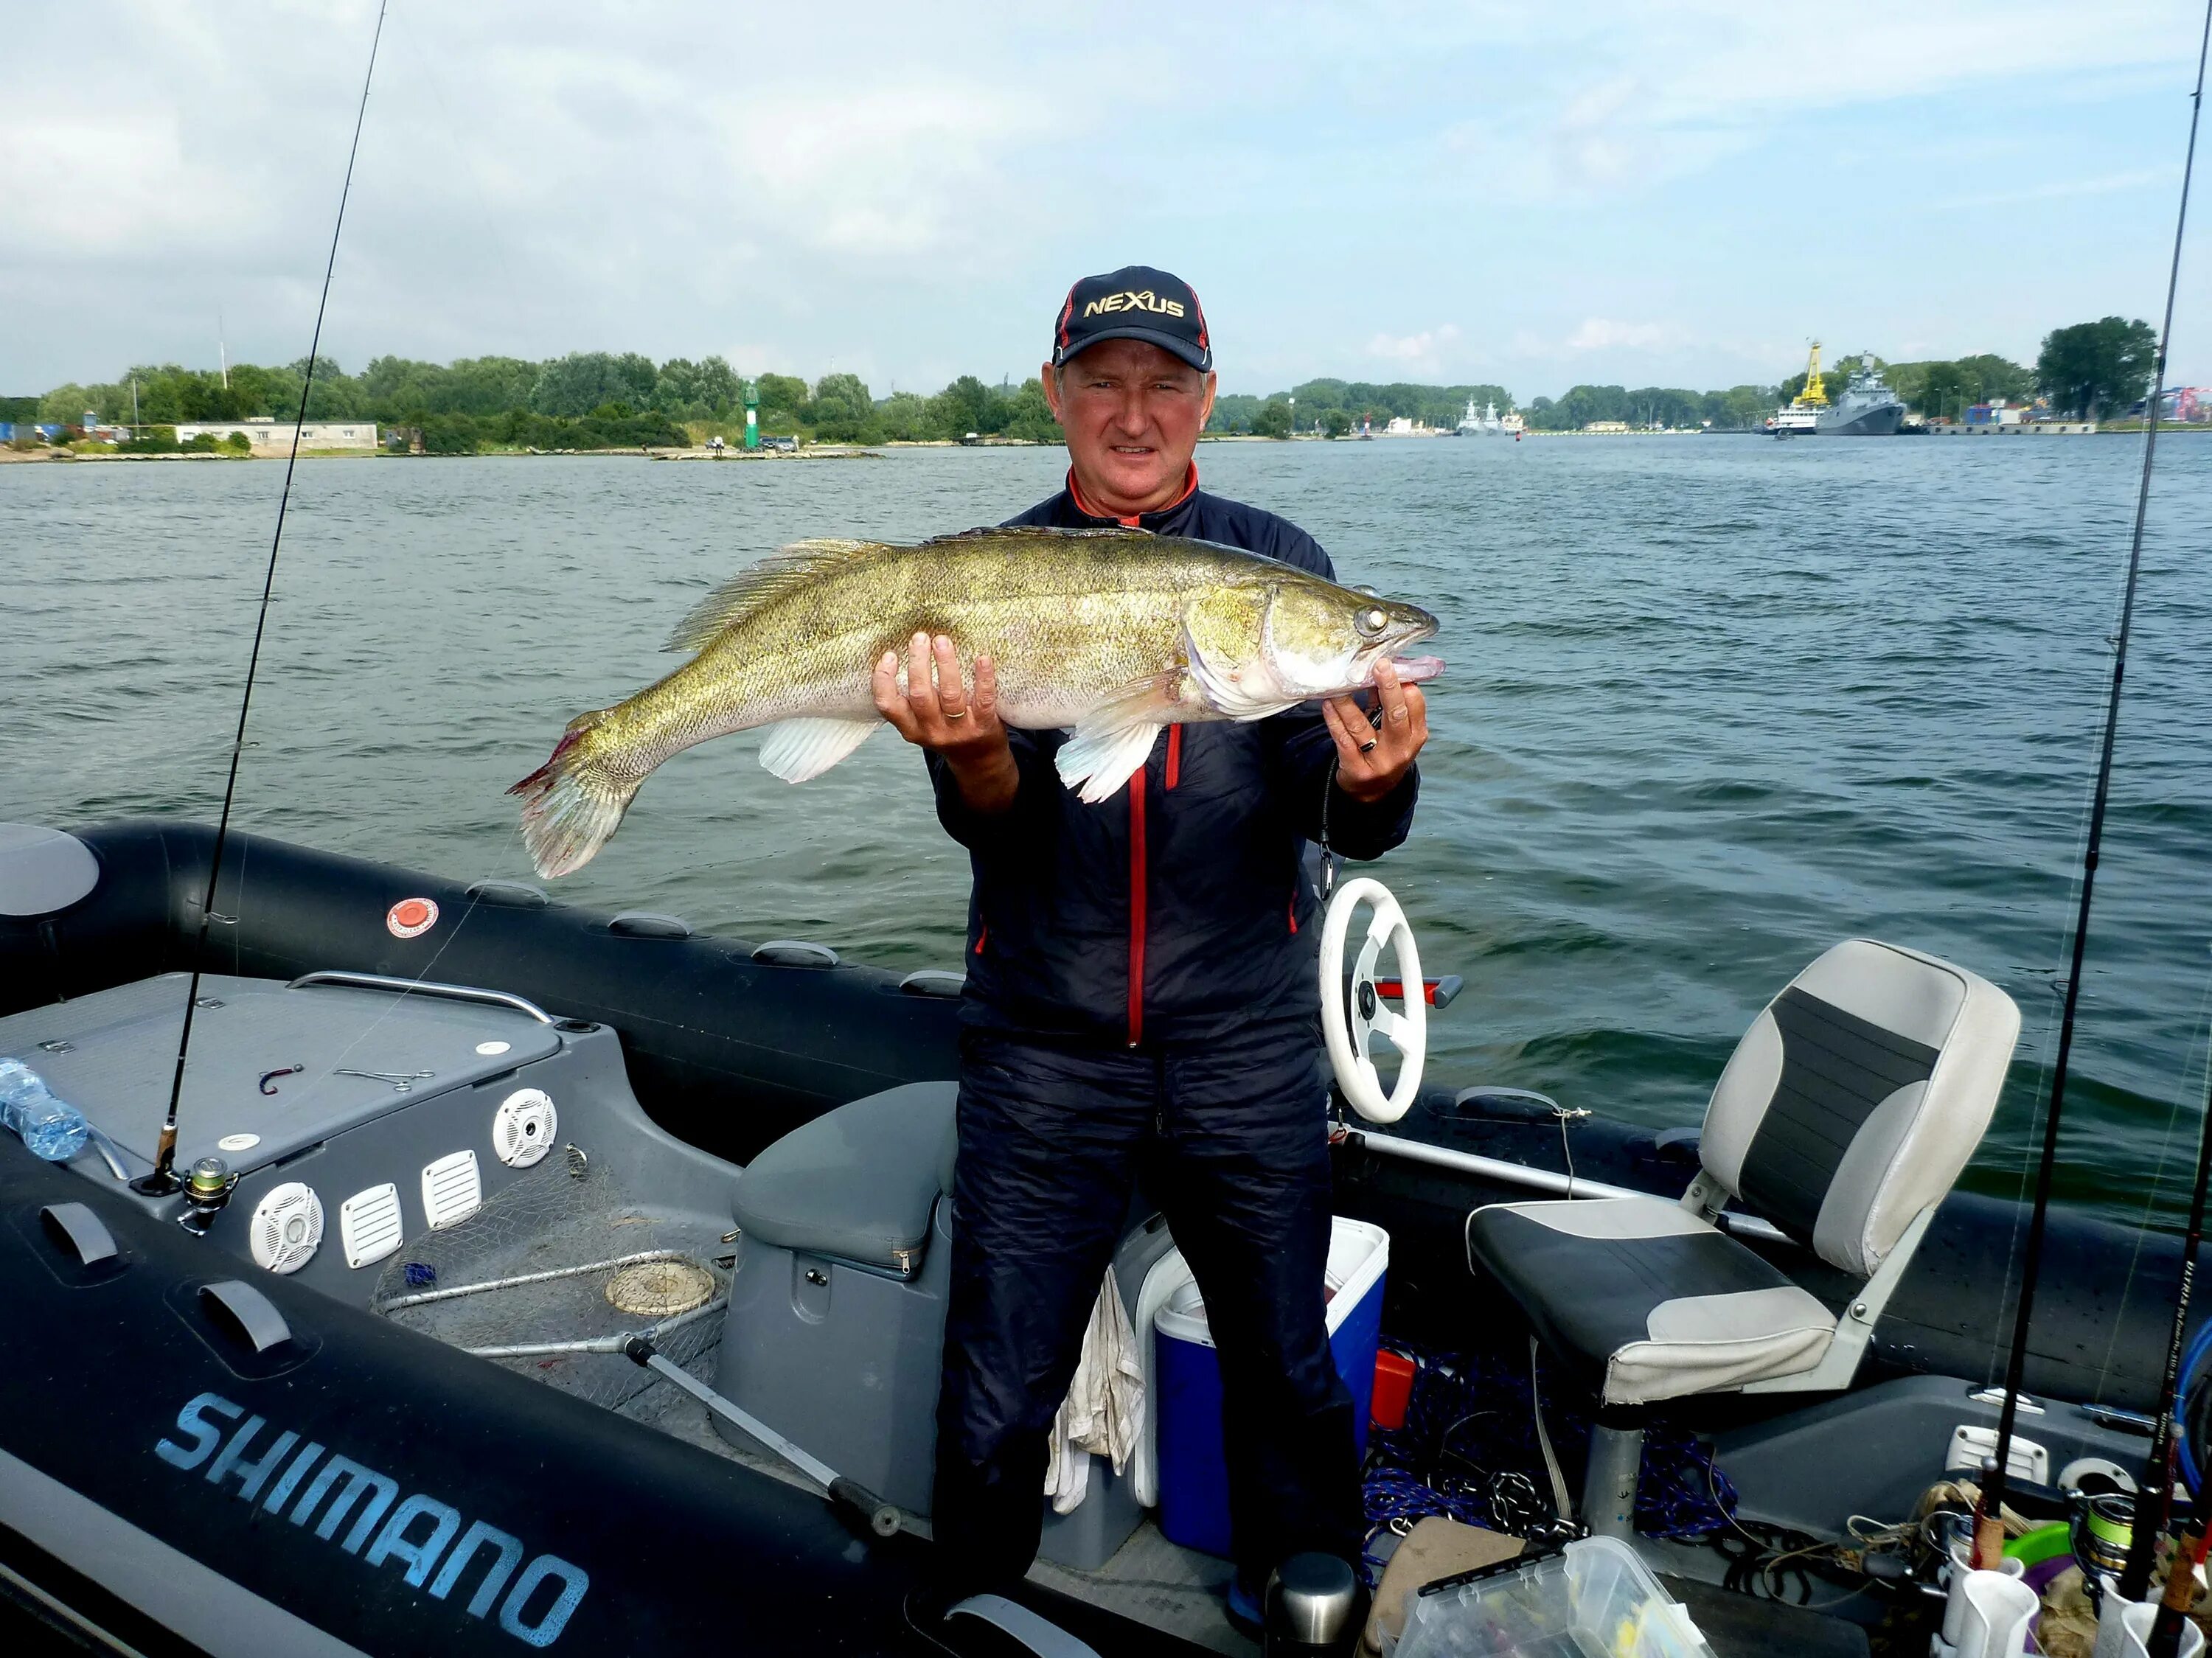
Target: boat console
[837, 1298]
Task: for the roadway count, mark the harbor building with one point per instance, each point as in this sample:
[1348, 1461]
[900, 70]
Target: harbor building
[271, 437]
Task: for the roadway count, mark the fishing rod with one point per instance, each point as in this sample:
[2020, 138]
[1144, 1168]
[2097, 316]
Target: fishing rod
[163, 1180]
[1989, 1530]
[2155, 1491]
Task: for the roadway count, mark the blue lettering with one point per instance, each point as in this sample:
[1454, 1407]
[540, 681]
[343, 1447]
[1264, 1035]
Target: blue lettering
[391, 1542]
[547, 1630]
[251, 1475]
[345, 1490]
[191, 1420]
[510, 1556]
[357, 1480]
[282, 1492]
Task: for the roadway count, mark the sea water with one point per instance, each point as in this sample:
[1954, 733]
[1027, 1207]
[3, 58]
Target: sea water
[1712, 704]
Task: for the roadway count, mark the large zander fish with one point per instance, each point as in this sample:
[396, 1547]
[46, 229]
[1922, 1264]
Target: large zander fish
[1114, 632]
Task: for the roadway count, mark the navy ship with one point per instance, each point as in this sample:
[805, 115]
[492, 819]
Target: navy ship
[1867, 409]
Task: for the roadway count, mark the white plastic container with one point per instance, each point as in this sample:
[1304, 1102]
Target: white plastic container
[1596, 1601]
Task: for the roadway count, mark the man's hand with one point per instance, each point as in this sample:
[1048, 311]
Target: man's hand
[1371, 761]
[939, 713]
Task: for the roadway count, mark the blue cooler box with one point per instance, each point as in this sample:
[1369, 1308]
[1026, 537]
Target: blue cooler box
[1194, 1473]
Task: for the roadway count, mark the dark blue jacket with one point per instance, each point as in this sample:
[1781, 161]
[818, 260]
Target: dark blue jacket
[1178, 910]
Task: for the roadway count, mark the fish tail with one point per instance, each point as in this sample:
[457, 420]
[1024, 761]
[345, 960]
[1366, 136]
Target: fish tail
[572, 802]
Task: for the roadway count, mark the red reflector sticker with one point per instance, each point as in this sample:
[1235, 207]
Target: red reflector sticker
[411, 918]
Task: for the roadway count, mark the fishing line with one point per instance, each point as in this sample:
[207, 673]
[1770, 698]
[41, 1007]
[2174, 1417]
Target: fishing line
[2155, 1489]
[163, 1180]
[2155, 1186]
[1988, 1540]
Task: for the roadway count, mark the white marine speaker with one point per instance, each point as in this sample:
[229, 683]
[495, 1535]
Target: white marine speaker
[523, 1127]
[287, 1227]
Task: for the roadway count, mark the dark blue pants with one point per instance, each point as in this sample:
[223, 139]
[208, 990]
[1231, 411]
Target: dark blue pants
[1229, 1139]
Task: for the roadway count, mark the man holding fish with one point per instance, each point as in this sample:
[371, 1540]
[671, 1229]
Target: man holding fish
[1138, 705]
[1141, 997]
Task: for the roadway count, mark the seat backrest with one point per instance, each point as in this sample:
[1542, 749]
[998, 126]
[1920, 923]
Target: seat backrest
[1854, 1099]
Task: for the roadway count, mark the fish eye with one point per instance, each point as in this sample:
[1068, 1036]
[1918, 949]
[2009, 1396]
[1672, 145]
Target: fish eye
[1373, 621]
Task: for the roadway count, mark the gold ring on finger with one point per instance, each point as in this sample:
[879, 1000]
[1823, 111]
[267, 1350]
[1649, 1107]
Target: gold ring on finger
[956, 714]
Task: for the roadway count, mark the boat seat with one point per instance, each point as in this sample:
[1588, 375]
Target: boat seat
[1662, 1304]
[856, 1184]
[1844, 1117]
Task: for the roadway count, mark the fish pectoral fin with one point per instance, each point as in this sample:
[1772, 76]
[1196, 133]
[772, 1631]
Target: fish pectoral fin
[796, 749]
[1105, 752]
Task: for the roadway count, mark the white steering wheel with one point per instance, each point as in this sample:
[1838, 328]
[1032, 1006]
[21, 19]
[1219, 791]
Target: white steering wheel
[1349, 1024]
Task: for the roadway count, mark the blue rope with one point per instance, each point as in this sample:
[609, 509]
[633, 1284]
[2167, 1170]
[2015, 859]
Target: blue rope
[1468, 1451]
[2186, 1454]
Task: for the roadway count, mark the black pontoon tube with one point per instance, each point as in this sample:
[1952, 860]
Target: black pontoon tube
[1988, 1538]
[162, 1180]
[2155, 1491]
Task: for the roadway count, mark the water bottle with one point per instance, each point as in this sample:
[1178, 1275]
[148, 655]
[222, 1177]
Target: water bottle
[53, 1130]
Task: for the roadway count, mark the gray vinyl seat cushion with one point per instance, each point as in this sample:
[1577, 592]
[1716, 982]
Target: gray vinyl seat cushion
[857, 1183]
[1662, 1304]
[1844, 1115]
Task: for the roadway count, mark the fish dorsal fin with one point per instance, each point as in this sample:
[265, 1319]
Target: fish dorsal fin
[750, 588]
[1027, 532]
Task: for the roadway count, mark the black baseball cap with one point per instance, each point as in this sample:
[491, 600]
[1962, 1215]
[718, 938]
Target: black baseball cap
[1134, 303]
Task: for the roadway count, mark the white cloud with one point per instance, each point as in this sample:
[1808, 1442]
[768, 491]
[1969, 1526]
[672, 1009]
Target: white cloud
[911, 188]
[1422, 351]
[1601, 334]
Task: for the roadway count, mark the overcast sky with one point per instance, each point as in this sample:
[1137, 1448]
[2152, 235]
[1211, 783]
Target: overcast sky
[1530, 194]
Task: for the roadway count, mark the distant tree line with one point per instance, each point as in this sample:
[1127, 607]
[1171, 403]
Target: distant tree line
[587, 399]
[1335, 407]
[600, 399]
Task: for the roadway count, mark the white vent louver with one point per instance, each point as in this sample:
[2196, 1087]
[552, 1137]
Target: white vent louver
[451, 1191]
[524, 1127]
[368, 1224]
[287, 1227]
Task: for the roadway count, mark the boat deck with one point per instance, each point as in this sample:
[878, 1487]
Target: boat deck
[552, 1220]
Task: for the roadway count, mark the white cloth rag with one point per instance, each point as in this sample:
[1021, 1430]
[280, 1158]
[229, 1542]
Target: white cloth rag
[1104, 1410]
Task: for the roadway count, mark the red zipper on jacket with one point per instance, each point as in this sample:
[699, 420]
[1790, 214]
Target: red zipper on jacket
[1137, 908]
[1170, 775]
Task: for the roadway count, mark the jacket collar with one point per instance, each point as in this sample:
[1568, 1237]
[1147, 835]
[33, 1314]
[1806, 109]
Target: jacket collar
[1151, 520]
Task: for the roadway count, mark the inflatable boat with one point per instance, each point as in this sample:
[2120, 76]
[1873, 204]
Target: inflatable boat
[542, 1278]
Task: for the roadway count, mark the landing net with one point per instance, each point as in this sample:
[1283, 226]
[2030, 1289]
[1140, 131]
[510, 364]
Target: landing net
[536, 1264]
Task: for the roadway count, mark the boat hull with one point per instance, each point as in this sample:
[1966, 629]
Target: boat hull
[728, 1054]
[131, 1421]
[1878, 423]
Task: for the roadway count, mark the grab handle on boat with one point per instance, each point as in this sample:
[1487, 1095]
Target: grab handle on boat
[75, 1224]
[511, 894]
[243, 1313]
[648, 924]
[794, 952]
[422, 987]
[933, 981]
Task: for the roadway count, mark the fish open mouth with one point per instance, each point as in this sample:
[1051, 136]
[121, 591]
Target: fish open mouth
[1412, 669]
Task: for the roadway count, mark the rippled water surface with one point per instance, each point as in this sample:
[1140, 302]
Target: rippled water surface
[1713, 703]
